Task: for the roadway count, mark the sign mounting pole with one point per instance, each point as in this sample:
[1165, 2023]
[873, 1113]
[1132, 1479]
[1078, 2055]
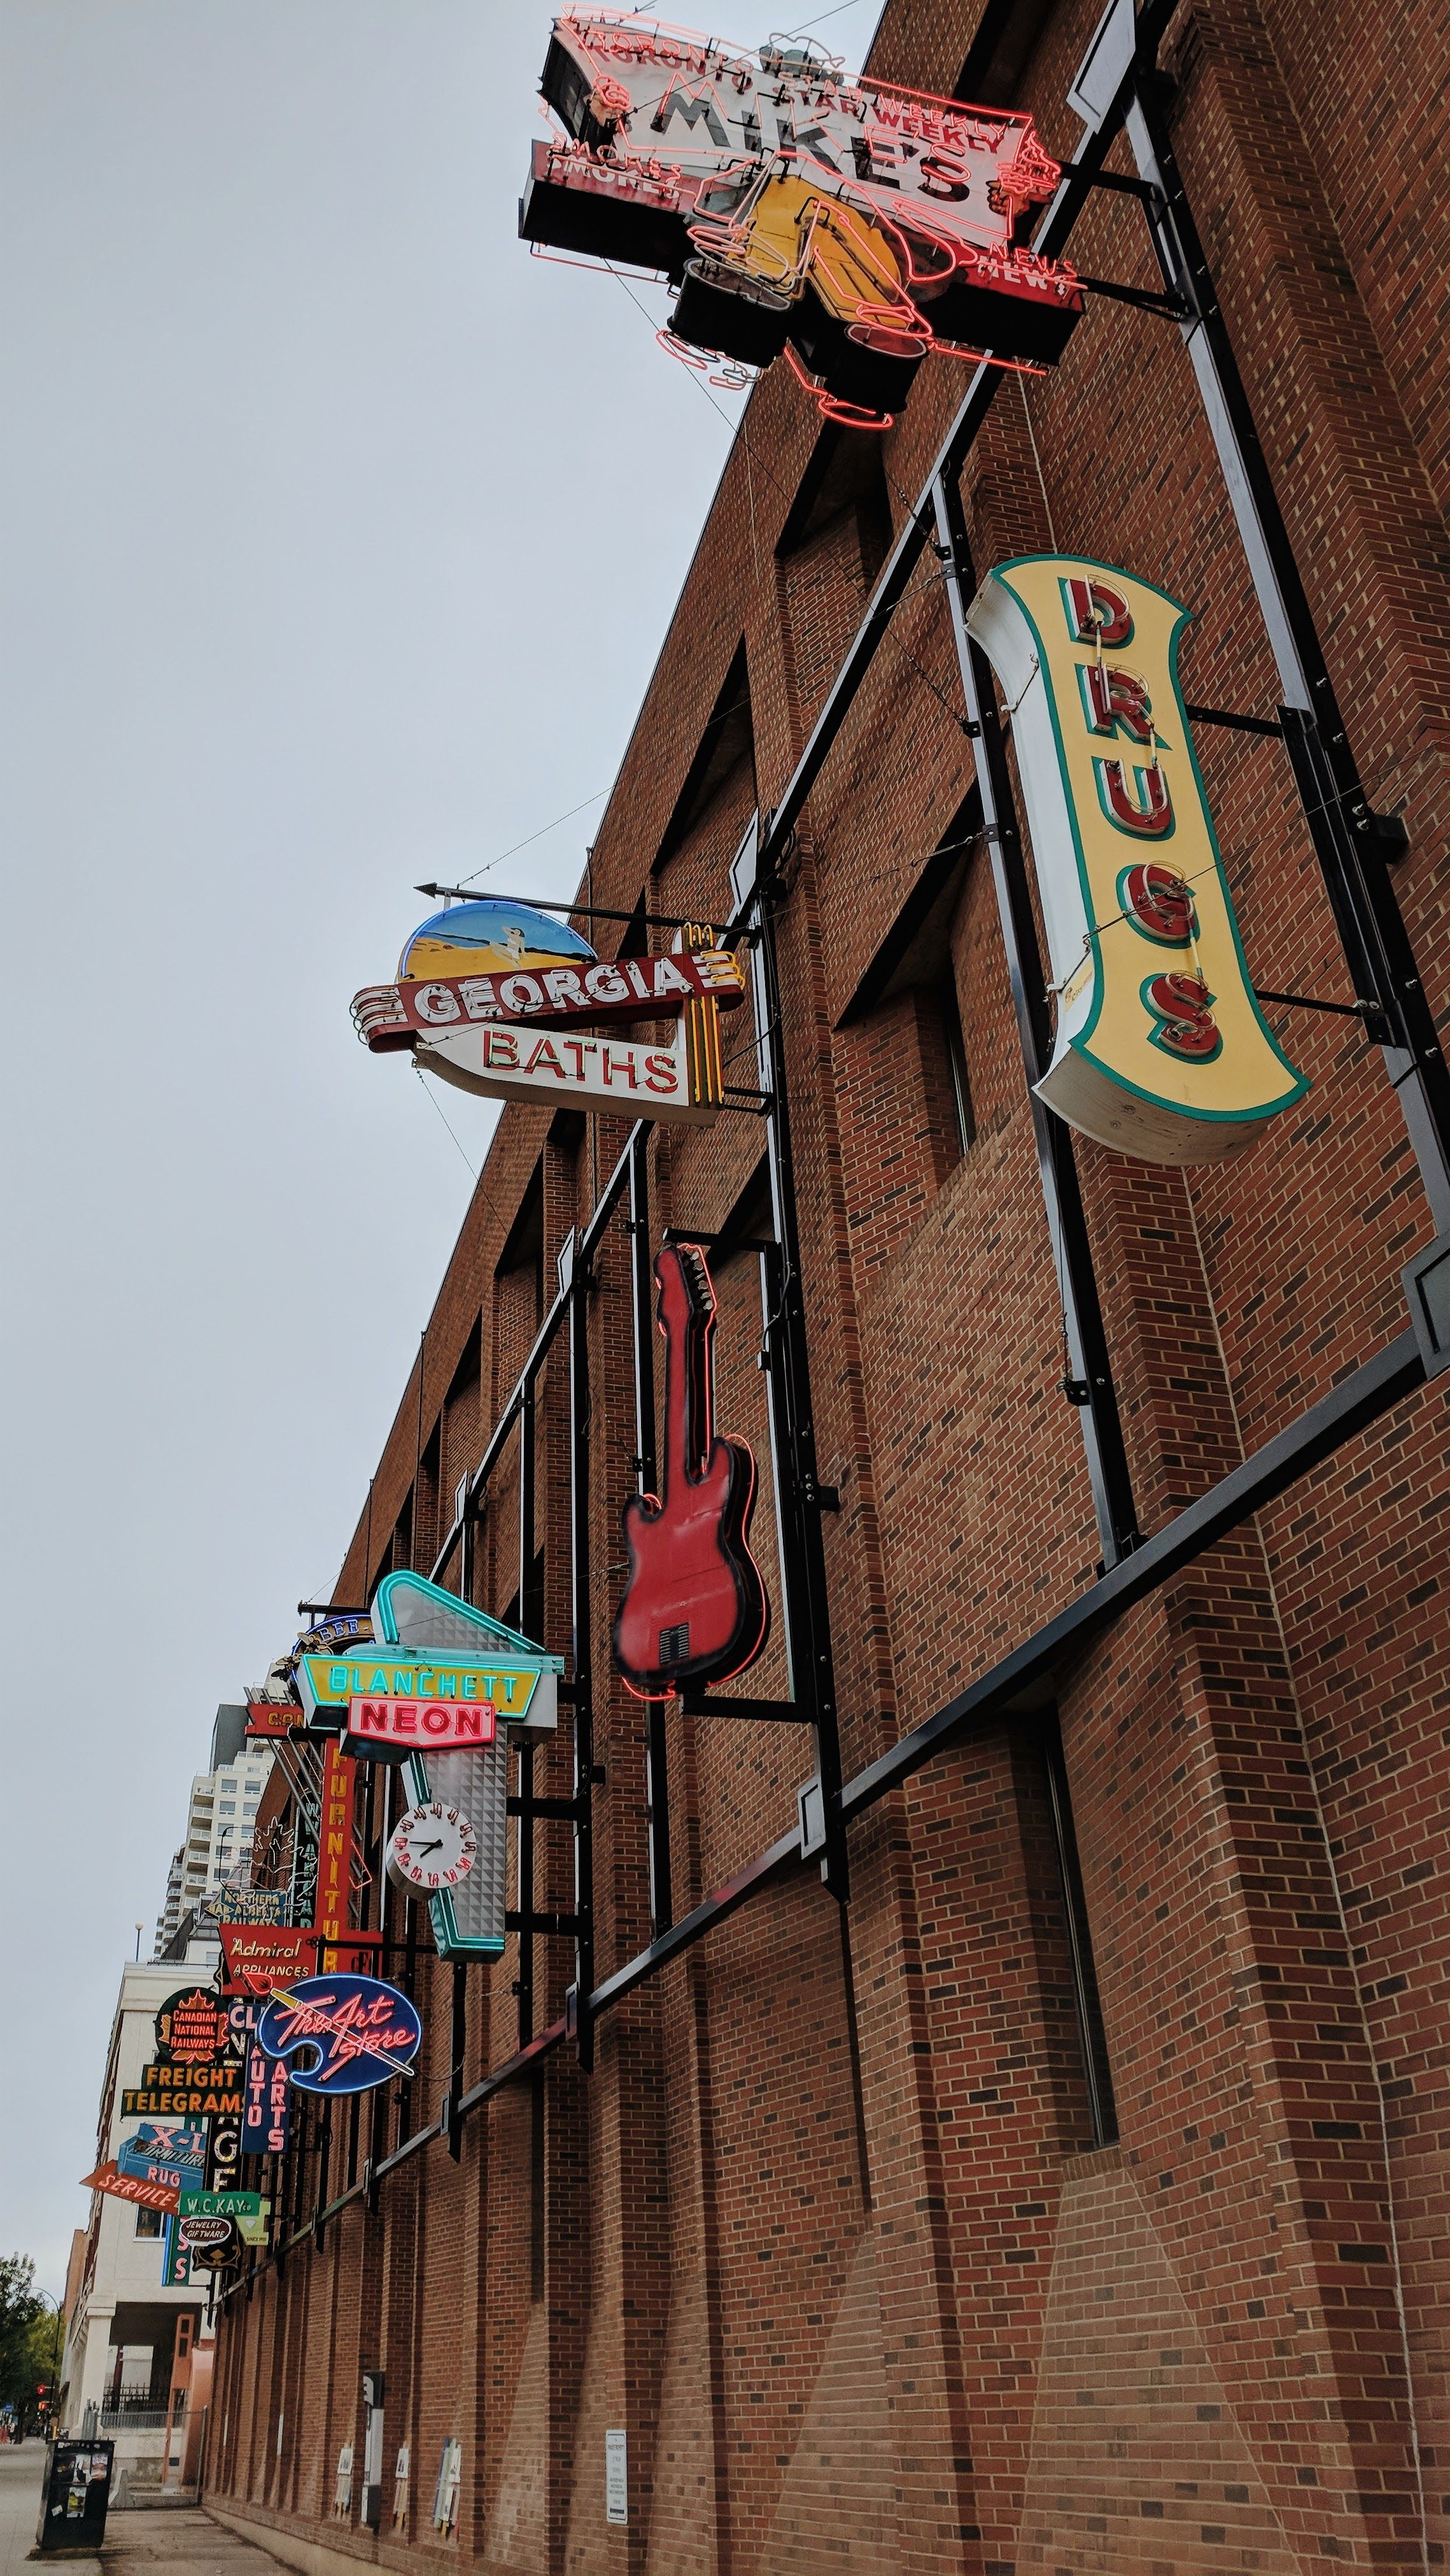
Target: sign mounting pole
[1090, 1376]
[575, 1271]
[1351, 842]
[657, 1784]
[808, 1627]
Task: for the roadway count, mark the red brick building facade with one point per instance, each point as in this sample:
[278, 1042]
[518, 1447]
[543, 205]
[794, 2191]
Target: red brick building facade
[879, 2250]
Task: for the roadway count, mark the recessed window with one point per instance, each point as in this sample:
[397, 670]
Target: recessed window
[148, 2222]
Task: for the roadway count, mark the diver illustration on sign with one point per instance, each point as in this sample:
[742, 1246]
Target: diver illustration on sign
[852, 228]
[695, 1608]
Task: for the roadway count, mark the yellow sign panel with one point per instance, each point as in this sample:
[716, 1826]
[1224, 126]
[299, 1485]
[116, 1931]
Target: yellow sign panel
[507, 1682]
[1161, 1049]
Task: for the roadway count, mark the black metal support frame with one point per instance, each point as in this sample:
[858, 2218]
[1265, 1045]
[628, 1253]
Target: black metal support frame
[646, 1467]
[1351, 843]
[1089, 1376]
[792, 1423]
[1014, 1691]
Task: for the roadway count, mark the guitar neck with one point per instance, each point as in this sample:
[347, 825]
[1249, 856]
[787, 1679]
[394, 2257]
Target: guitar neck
[687, 1325]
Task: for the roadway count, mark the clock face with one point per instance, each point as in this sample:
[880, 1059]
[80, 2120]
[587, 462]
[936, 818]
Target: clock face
[432, 1847]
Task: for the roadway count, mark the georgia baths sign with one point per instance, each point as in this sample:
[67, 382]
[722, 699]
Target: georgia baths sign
[1160, 1049]
[495, 998]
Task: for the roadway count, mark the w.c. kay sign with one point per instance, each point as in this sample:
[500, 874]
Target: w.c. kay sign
[1160, 1048]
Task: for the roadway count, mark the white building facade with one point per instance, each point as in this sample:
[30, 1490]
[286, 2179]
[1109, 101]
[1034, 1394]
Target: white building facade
[137, 2365]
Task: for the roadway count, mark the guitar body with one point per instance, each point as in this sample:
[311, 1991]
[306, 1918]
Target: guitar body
[695, 1608]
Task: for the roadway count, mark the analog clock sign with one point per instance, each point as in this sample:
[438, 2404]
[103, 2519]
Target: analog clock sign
[432, 1846]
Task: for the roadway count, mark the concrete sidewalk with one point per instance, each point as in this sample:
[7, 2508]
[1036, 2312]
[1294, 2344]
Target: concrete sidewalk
[20, 2475]
[179, 2539]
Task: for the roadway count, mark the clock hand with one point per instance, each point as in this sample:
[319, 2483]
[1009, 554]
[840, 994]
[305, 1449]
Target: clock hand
[435, 1845]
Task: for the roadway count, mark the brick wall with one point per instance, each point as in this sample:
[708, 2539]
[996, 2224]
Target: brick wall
[825, 2231]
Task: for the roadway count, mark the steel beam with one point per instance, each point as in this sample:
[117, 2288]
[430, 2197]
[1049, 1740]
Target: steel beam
[1348, 837]
[1090, 1372]
[1360, 1400]
[646, 1470]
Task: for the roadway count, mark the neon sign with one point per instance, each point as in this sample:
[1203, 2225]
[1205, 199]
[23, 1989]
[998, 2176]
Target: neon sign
[695, 1609]
[1160, 1049]
[852, 227]
[391, 1016]
[125, 2186]
[440, 1673]
[490, 994]
[340, 2034]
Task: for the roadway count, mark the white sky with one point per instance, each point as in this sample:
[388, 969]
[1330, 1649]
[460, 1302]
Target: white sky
[340, 538]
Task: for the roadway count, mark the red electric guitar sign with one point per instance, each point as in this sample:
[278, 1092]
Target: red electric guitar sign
[695, 1609]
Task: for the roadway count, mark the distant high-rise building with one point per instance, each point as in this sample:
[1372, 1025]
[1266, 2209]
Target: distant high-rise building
[222, 1809]
[170, 1914]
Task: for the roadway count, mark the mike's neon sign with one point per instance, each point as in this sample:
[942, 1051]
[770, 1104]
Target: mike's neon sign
[850, 227]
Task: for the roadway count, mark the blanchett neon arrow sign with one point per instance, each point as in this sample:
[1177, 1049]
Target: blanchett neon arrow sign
[1160, 1048]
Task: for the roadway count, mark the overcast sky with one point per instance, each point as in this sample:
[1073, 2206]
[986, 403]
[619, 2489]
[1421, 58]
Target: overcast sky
[306, 465]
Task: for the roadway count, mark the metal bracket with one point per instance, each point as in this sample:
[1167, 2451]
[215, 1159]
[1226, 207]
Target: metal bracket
[1427, 1286]
[779, 1712]
[1307, 1002]
[811, 1809]
[1117, 181]
[1235, 724]
[1171, 307]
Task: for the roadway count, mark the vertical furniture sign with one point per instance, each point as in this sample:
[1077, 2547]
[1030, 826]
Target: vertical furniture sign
[334, 1848]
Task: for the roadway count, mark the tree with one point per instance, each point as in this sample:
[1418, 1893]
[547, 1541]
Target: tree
[21, 2313]
[44, 2355]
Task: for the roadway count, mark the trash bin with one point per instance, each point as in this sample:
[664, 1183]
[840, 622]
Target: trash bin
[74, 2497]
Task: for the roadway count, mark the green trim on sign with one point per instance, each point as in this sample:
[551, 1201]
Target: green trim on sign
[1079, 1043]
[448, 1941]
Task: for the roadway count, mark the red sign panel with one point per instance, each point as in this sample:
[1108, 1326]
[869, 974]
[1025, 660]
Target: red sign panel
[334, 1843]
[259, 1956]
[386, 1729]
[272, 1717]
[567, 997]
[151, 2195]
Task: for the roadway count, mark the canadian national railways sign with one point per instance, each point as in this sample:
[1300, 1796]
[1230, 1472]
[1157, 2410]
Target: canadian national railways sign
[1160, 1047]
